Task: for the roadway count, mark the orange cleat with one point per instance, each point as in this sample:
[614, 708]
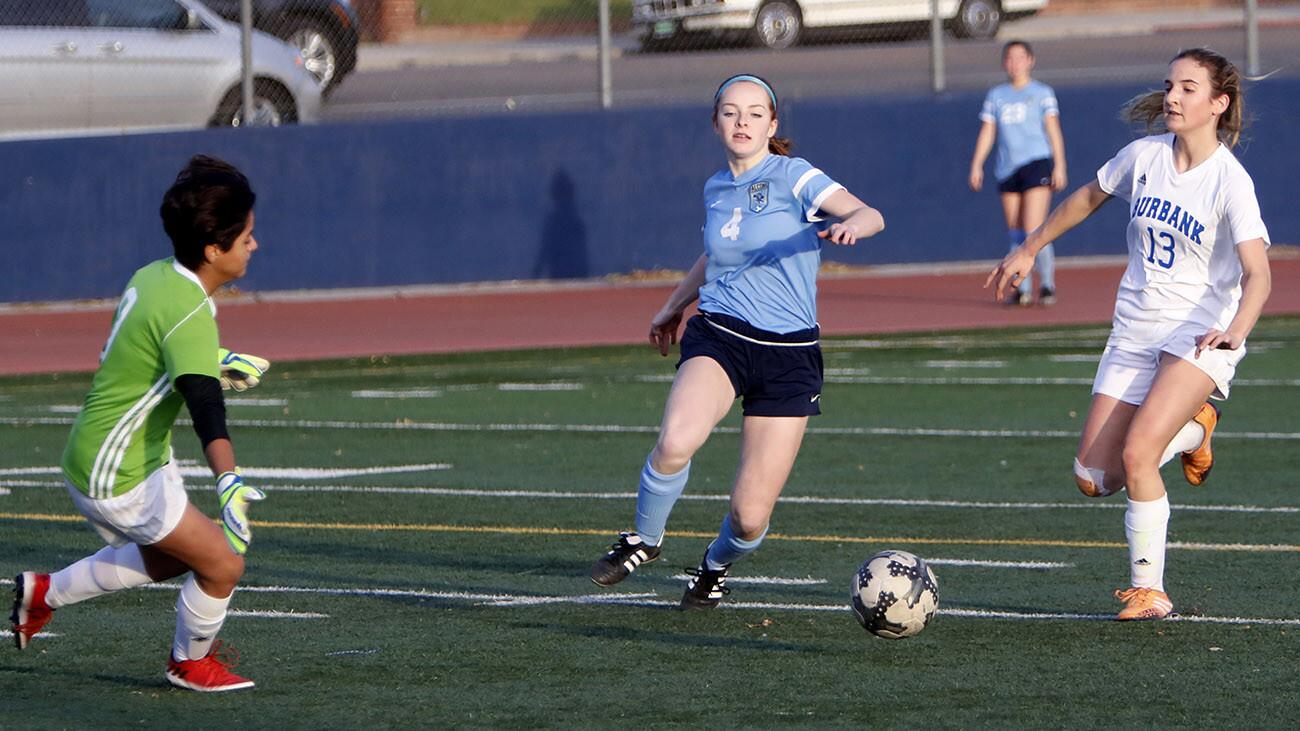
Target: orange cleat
[31, 613]
[1198, 462]
[211, 674]
[1141, 603]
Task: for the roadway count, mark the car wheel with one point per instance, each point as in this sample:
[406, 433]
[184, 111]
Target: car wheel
[778, 24]
[273, 106]
[977, 19]
[318, 50]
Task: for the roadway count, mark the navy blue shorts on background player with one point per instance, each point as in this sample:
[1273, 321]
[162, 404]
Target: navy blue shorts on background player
[1033, 174]
[777, 374]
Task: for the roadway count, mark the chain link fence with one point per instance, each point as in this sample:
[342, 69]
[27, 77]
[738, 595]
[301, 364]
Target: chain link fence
[72, 67]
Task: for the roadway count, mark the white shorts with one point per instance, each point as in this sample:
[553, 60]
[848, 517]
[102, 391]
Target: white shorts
[1127, 370]
[144, 515]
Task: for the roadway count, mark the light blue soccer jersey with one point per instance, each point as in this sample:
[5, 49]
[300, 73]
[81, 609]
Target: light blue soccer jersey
[1019, 115]
[762, 243]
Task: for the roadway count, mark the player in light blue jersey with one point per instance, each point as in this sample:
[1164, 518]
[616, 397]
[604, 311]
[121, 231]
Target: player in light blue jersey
[1022, 115]
[755, 337]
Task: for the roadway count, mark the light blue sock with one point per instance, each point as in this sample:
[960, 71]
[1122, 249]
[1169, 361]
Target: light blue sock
[1046, 266]
[655, 499]
[1017, 237]
[728, 547]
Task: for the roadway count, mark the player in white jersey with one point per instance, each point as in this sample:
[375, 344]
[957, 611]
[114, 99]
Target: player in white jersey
[162, 352]
[1196, 282]
[1023, 117]
[755, 337]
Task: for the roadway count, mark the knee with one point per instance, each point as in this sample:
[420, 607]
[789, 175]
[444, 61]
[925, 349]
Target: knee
[1090, 481]
[225, 574]
[1139, 458]
[671, 454]
[748, 523]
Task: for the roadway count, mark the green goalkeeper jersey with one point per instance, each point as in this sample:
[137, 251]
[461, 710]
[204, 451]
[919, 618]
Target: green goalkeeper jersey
[165, 327]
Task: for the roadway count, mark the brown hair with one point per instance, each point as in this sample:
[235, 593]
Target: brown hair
[775, 145]
[208, 204]
[1149, 108]
[1017, 42]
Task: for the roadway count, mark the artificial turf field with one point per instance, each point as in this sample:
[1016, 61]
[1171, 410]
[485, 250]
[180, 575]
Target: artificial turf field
[422, 558]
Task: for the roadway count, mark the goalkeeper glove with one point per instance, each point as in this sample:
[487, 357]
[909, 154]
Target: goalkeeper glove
[240, 371]
[234, 497]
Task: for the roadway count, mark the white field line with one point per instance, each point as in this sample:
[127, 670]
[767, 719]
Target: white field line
[1034, 565]
[400, 393]
[965, 364]
[64, 409]
[547, 386]
[645, 599]
[436, 426]
[349, 653]
[272, 614]
[1077, 357]
[189, 469]
[257, 402]
[43, 635]
[789, 499]
[3, 491]
[764, 580]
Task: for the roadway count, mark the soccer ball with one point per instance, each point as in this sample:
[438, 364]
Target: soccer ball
[894, 594]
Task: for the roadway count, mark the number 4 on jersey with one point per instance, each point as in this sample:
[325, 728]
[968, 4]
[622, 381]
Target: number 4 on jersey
[731, 229]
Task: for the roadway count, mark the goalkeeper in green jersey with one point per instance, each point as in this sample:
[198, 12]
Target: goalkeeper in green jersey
[162, 352]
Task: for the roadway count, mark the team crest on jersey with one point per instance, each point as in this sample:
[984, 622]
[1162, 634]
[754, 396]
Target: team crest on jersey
[758, 197]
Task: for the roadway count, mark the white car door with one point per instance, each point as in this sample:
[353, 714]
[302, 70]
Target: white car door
[44, 67]
[156, 65]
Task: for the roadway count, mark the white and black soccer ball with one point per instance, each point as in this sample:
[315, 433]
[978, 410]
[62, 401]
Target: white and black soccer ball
[894, 594]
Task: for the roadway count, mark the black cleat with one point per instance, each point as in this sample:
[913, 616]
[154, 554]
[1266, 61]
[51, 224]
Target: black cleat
[706, 587]
[1046, 297]
[627, 553]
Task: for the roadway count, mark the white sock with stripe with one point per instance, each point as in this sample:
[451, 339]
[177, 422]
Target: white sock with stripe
[109, 570]
[1146, 525]
[198, 620]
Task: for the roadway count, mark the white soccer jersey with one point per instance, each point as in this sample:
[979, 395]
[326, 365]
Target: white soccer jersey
[1182, 235]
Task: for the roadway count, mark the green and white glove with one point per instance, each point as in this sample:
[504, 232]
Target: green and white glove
[240, 371]
[234, 497]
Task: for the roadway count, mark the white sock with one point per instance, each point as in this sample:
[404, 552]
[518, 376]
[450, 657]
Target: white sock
[1187, 439]
[1146, 524]
[198, 620]
[111, 569]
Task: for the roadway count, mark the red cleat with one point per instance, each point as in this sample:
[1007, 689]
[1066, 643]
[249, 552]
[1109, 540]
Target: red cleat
[30, 611]
[211, 674]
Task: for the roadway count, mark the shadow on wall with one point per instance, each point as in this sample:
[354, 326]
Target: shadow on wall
[563, 252]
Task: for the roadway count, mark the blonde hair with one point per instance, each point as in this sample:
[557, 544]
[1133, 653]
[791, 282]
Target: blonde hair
[1149, 108]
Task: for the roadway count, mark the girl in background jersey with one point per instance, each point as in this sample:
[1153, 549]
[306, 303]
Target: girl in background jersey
[1196, 282]
[1022, 114]
[755, 336]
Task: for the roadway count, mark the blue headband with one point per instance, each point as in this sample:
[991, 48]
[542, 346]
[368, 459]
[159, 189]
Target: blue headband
[746, 77]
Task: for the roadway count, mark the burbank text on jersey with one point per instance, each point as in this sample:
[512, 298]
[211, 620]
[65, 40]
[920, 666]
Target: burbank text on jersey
[1178, 218]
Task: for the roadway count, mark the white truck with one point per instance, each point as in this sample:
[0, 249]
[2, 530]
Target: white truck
[781, 23]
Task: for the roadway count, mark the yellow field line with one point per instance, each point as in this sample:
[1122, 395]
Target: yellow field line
[541, 531]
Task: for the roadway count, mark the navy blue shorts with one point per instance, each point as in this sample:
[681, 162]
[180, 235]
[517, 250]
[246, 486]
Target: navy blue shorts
[1030, 175]
[776, 374]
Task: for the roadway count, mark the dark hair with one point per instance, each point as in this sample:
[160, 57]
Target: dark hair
[1149, 108]
[1017, 42]
[775, 145]
[208, 204]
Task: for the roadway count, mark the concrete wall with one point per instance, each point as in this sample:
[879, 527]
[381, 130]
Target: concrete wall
[550, 195]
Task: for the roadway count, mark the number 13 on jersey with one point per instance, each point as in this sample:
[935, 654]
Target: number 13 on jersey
[1165, 248]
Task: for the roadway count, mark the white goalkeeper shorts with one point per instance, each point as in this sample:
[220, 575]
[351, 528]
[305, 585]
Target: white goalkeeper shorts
[1127, 371]
[143, 515]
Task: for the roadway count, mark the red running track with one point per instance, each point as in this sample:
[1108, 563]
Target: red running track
[34, 340]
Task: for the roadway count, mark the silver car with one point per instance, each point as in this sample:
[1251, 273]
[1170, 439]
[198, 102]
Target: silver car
[71, 67]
